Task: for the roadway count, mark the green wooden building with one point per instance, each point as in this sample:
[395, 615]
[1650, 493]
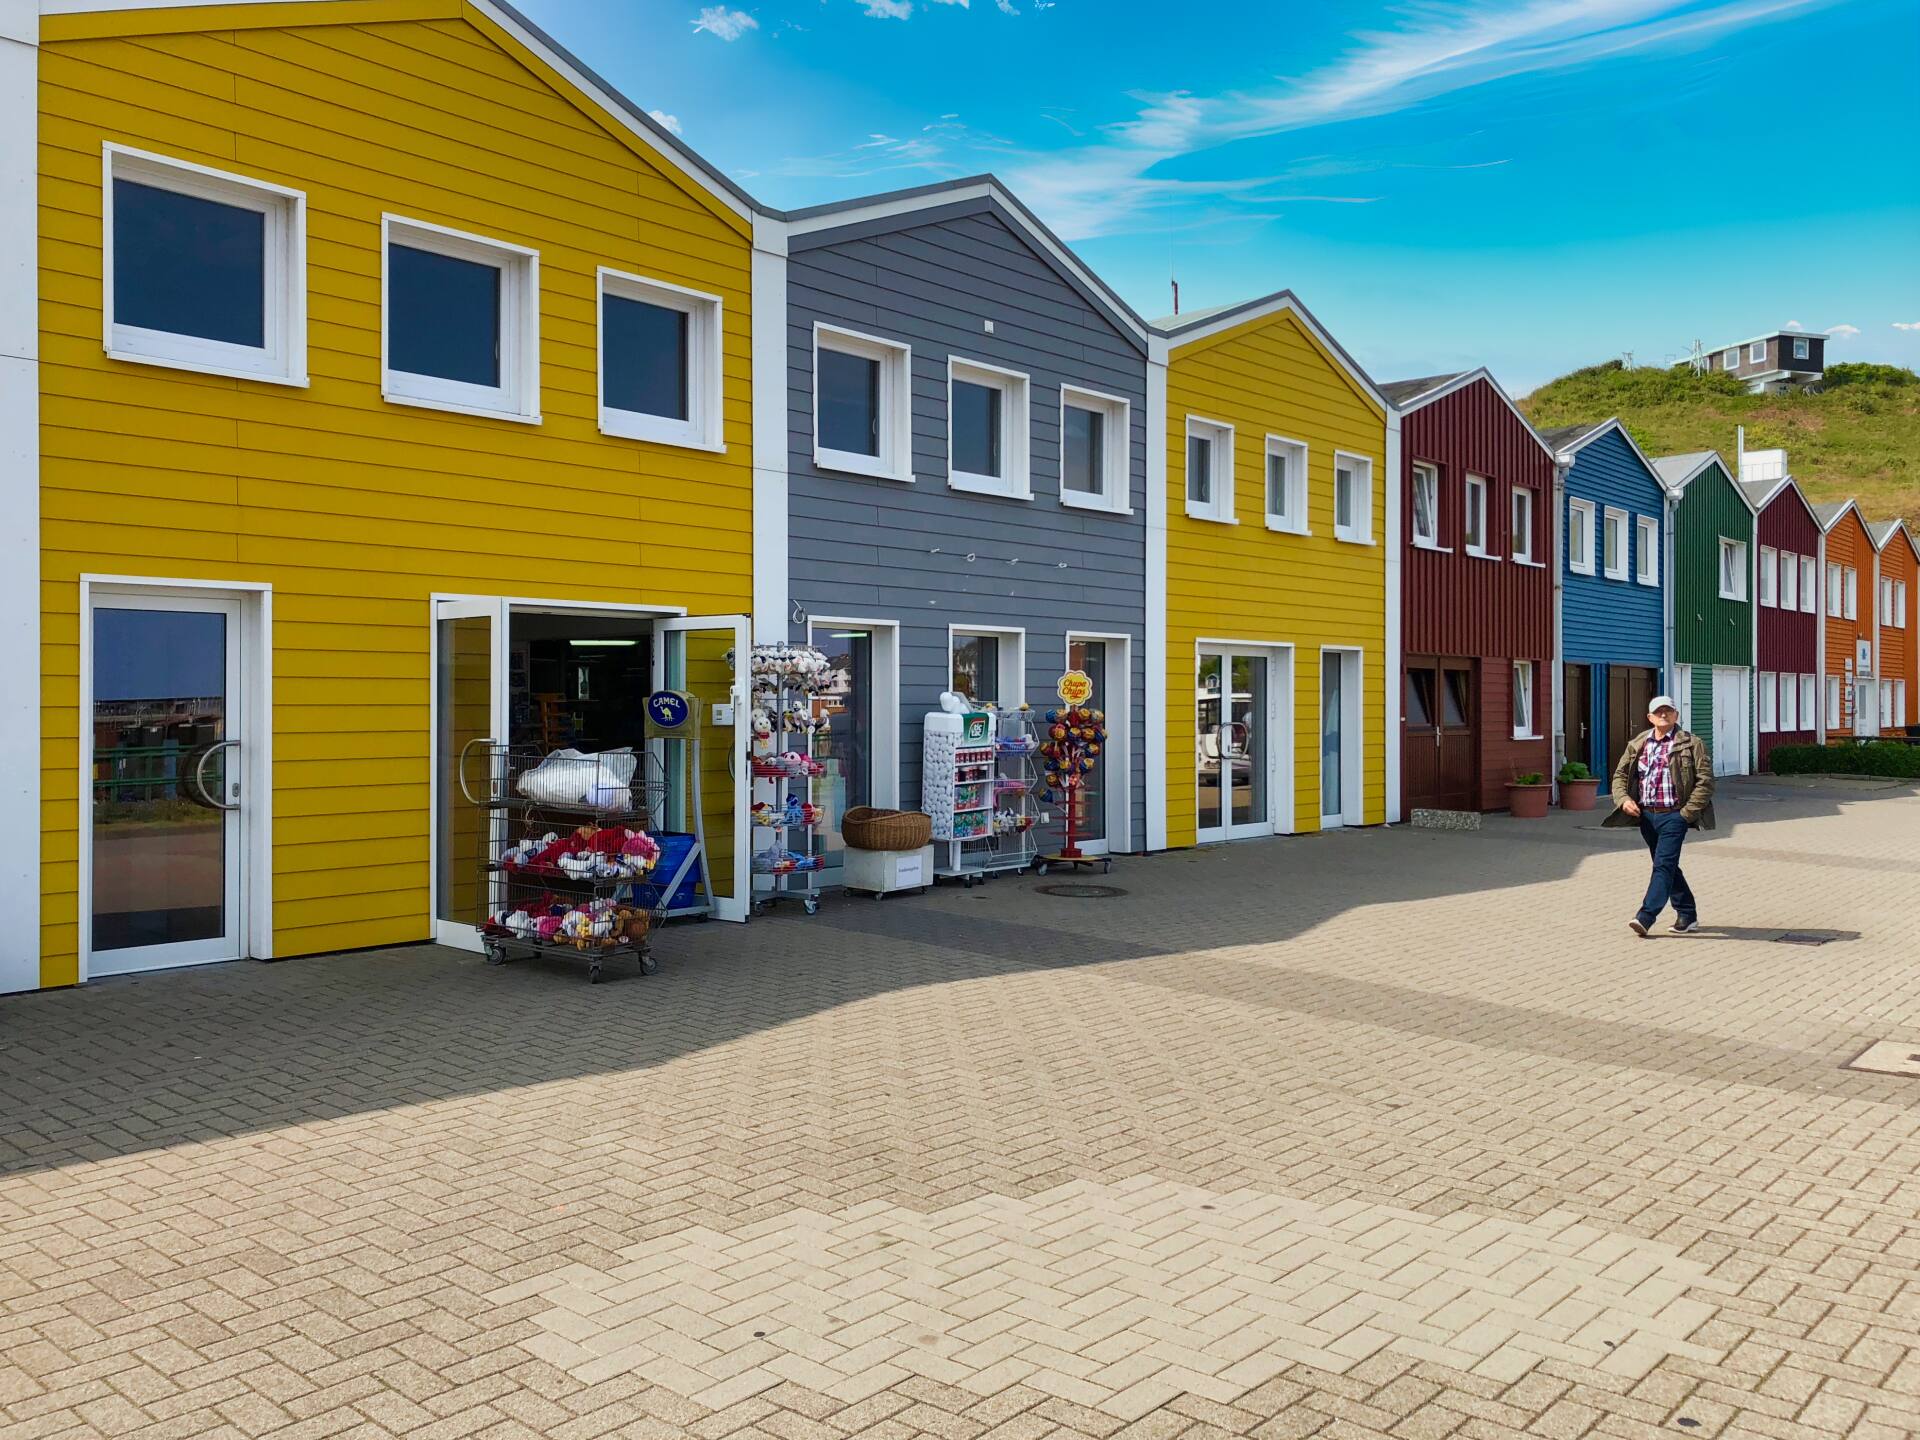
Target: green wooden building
[1711, 592]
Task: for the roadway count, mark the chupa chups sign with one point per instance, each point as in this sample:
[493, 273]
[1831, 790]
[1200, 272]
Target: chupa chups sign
[1075, 687]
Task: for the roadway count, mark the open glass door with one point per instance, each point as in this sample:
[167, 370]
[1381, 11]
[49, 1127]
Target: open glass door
[707, 656]
[469, 721]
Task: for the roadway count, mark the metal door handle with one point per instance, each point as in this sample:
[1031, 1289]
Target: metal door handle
[200, 777]
[460, 770]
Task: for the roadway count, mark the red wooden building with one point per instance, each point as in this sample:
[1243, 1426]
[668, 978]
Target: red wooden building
[1787, 604]
[1478, 556]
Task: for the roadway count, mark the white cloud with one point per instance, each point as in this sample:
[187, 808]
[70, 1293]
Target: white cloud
[887, 9]
[1843, 332]
[669, 123]
[1795, 325]
[725, 23]
[1903, 325]
[1007, 7]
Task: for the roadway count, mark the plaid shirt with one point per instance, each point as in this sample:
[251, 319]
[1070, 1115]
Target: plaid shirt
[1656, 772]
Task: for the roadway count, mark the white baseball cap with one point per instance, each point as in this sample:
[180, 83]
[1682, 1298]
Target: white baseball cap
[1662, 702]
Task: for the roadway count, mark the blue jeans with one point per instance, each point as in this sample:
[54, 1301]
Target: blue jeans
[1664, 834]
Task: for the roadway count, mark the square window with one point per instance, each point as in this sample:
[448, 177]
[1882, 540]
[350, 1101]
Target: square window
[1769, 576]
[986, 430]
[1286, 485]
[1730, 358]
[1095, 445]
[1756, 352]
[861, 420]
[1209, 470]
[1522, 539]
[1648, 571]
[1802, 349]
[1580, 536]
[1523, 700]
[659, 362]
[1614, 543]
[1426, 506]
[987, 666]
[460, 322]
[1352, 498]
[1733, 569]
[1474, 528]
[203, 270]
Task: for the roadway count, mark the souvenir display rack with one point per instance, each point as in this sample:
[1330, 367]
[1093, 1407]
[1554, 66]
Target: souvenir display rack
[977, 781]
[788, 861]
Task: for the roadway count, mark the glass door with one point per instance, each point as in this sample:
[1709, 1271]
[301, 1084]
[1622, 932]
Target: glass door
[1233, 720]
[845, 740]
[469, 721]
[1090, 820]
[706, 655]
[164, 734]
[1332, 737]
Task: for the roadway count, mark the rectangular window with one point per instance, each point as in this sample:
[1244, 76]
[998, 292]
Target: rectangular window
[1523, 700]
[987, 430]
[1756, 352]
[1809, 584]
[1886, 705]
[1808, 692]
[1730, 358]
[1899, 702]
[1426, 506]
[1095, 446]
[1648, 571]
[987, 666]
[1802, 349]
[1833, 702]
[1286, 485]
[1789, 582]
[1767, 696]
[1209, 470]
[203, 270]
[1522, 525]
[660, 373]
[1614, 544]
[1352, 498]
[1833, 589]
[1788, 718]
[1474, 523]
[1850, 579]
[1580, 536]
[461, 322]
[1769, 576]
[861, 418]
[1733, 569]
[1900, 603]
[1683, 692]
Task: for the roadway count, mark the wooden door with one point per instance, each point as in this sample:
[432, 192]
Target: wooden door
[1459, 722]
[1577, 698]
[1630, 689]
[1439, 752]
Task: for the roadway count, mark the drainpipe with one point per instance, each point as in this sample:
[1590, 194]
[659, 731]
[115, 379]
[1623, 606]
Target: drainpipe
[1819, 640]
[1670, 515]
[1559, 756]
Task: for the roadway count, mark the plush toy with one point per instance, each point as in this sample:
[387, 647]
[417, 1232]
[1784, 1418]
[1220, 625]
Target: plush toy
[762, 724]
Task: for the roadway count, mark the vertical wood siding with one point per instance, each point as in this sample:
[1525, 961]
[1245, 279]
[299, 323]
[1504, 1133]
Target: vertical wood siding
[928, 556]
[1707, 629]
[1789, 640]
[353, 509]
[1850, 547]
[1898, 660]
[1245, 582]
[1502, 756]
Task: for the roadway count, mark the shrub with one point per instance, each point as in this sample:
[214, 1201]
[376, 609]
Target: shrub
[1532, 777]
[1574, 770]
[1880, 758]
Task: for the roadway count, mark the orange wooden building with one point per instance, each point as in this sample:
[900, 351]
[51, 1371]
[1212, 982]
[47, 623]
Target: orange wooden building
[1897, 612]
[1849, 704]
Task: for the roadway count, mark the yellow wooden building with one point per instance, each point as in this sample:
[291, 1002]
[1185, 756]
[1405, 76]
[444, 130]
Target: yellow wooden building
[1281, 544]
[394, 390]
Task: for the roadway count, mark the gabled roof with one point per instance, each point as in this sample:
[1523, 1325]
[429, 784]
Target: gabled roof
[1884, 531]
[1411, 395]
[1761, 493]
[1676, 472]
[1569, 440]
[907, 206]
[1831, 514]
[1178, 330]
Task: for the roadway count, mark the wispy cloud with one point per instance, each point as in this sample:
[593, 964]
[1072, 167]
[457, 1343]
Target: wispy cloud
[1903, 325]
[1795, 325]
[727, 24]
[1843, 332]
[670, 123]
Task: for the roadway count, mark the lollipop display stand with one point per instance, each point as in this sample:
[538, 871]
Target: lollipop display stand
[977, 787]
[1073, 738]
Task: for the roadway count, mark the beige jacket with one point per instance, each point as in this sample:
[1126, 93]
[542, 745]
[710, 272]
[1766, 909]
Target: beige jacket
[1692, 779]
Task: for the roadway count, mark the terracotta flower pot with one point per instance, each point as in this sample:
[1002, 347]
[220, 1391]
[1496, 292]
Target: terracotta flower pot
[1528, 802]
[1578, 794]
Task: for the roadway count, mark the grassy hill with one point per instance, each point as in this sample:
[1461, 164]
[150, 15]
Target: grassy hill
[1858, 436]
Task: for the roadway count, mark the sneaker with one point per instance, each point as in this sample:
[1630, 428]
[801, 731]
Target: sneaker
[1638, 926]
[1684, 927]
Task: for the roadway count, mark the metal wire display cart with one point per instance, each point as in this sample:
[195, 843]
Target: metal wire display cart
[785, 817]
[977, 780]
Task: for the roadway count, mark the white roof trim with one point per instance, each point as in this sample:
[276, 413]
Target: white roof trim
[1709, 457]
[1277, 303]
[1769, 335]
[1461, 382]
[1826, 526]
[1612, 422]
[1898, 527]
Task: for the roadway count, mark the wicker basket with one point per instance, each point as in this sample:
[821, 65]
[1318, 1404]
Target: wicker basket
[865, 828]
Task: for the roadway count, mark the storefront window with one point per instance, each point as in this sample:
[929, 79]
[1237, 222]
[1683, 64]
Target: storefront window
[1207, 720]
[976, 667]
[1090, 819]
[844, 711]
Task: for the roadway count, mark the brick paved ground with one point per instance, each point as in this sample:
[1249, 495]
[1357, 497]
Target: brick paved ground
[1384, 1133]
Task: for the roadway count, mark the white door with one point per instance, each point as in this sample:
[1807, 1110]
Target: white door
[707, 655]
[165, 724]
[1730, 720]
[470, 723]
[1866, 707]
[1239, 744]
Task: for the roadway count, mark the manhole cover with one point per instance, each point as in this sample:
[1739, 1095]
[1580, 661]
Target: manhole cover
[1801, 937]
[1081, 892]
[1889, 1057]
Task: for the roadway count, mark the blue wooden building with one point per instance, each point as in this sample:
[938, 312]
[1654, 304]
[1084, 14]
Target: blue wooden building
[1616, 555]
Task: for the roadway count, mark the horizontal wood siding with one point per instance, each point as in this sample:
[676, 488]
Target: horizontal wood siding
[1850, 547]
[1619, 621]
[353, 509]
[1707, 629]
[927, 556]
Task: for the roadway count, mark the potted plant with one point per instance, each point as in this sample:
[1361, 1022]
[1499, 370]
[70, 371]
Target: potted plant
[1527, 796]
[1578, 786]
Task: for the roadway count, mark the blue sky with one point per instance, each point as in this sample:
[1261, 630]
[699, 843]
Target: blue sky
[1531, 185]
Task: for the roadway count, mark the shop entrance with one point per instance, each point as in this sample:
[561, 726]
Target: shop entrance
[1440, 752]
[1242, 740]
[544, 676]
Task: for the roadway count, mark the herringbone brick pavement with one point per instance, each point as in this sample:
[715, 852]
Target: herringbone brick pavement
[1379, 1133]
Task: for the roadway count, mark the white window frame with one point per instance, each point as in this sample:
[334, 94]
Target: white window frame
[1521, 535]
[701, 430]
[1900, 702]
[1730, 358]
[1787, 715]
[1789, 581]
[1011, 662]
[1769, 577]
[1833, 702]
[1525, 722]
[1733, 561]
[1116, 451]
[1833, 588]
[1646, 564]
[1850, 592]
[282, 358]
[895, 460]
[1425, 470]
[1899, 620]
[1809, 702]
[1219, 506]
[517, 396]
[1360, 532]
[1016, 434]
[1473, 505]
[1809, 585]
[1683, 692]
[1885, 689]
[1802, 349]
[1581, 561]
[1756, 352]
[1768, 694]
[1625, 567]
[1294, 522]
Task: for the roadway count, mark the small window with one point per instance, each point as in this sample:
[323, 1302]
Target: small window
[1900, 603]
[1885, 688]
[987, 430]
[1580, 536]
[988, 666]
[1756, 352]
[1209, 470]
[1420, 698]
[1769, 576]
[1683, 692]
[1788, 718]
[861, 422]
[1352, 498]
[1833, 702]
[1095, 444]
[1474, 523]
[1851, 581]
[1733, 569]
[203, 270]
[1833, 589]
[1426, 506]
[1900, 711]
[1523, 525]
[1614, 544]
[461, 322]
[1789, 581]
[1767, 697]
[1648, 570]
[1802, 349]
[1286, 485]
[1523, 700]
[659, 362]
[1809, 588]
[1730, 358]
[1808, 694]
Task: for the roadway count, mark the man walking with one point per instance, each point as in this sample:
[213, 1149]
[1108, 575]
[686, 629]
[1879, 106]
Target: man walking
[1664, 782]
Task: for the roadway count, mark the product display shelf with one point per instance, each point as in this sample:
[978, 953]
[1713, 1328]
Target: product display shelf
[1016, 815]
[977, 786]
[785, 816]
